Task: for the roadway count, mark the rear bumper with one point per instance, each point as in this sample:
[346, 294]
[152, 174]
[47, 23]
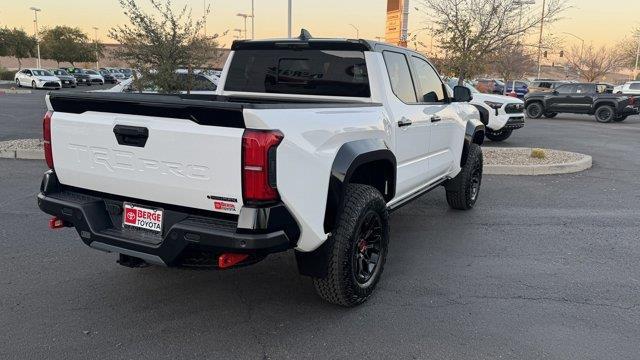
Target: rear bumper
[98, 220]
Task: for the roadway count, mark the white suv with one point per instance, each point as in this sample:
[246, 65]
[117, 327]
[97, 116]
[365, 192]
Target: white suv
[628, 88]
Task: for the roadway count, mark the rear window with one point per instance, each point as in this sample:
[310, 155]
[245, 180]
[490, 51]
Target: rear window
[308, 72]
[634, 86]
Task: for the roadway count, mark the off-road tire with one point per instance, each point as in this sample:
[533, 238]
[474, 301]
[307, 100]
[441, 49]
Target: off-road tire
[535, 110]
[463, 190]
[605, 114]
[340, 286]
[550, 115]
[500, 135]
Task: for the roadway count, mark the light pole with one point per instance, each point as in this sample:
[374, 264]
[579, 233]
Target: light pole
[239, 35]
[289, 20]
[522, 3]
[245, 16]
[635, 70]
[35, 14]
[95, 28]
[253, 22]
[357, 31]
[544, 3]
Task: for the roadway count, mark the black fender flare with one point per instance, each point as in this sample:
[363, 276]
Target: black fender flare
[484, 114]
[473, 134]
[351, 156]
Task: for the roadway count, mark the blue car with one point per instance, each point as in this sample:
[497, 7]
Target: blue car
[521, 88]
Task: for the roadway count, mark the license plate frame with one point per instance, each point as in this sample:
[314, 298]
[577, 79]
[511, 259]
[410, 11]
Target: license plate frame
[144, 218]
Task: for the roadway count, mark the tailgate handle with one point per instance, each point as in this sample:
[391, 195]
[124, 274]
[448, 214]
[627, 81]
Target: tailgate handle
[131, 135]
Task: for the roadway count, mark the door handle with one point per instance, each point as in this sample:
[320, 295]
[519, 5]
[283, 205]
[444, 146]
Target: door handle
[436, 118]
[131, 135]
[404, 122]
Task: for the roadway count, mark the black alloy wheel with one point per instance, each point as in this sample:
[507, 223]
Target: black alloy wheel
[367, 251]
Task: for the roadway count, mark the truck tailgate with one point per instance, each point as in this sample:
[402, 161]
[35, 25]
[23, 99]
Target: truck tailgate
[182, 162]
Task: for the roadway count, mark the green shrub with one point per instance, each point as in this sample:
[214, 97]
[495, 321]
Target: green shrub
[6, 74]
[538, 154]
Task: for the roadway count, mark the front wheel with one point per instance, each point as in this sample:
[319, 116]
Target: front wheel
[535, 110]
[605, 114]
[358, 248]
[500, 135]
[18, 83]
[463, 190]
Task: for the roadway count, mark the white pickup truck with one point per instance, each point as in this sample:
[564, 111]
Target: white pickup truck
[308, 144]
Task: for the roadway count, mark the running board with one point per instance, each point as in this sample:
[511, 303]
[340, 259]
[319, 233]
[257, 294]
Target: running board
[395, 205]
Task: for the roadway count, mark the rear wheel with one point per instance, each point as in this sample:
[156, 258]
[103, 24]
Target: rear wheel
[620, 118]
[535, 110]
[550, 115]
[500, 135]
[463, 190]
[605, 114]
[33, 85]
[18, 83]
[358, 248]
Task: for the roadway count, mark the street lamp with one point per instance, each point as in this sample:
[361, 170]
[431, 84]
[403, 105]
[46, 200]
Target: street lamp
[357, 31]
[95, 28]
[245, 16]
[577, 37]
[544, 3]
[239, 35]
[289, 19]
[253, 23]
[35, 14]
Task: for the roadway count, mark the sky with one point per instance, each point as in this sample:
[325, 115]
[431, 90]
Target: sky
[600, 22]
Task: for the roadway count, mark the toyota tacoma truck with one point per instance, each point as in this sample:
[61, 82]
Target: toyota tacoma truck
[504, 114]
[581, 98]
[308, 144]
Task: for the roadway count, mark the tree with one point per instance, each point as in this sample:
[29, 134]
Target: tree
[17, 43]
[158, 44]
[469, 31]
[593, 63]
[67, 44]
[511, 62]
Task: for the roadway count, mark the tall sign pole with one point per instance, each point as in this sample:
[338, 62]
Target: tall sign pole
[396, 30]
[289, 21]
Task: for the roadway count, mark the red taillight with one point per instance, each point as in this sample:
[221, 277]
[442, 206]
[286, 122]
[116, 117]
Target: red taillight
[230, 259]
[259, 165]
[46, 136]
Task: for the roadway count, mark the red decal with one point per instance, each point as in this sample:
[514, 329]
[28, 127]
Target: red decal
[130, 216]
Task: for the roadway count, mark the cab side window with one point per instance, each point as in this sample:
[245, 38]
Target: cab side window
[431, 88]
[566, 89]
[400, 76]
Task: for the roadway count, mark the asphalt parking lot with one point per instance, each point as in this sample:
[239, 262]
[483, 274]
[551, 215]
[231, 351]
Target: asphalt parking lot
[21, 114]
[543, 267]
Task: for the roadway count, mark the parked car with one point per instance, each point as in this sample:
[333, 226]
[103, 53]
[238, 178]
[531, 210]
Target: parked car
[504, 113]
[126, 72]
[546, 85]
[94, 77]
[521, 88]
[201, 83]
[628, 88]
[37, 79]
[115, 73]
[352, 140]
[82, 78]
[108, 77]
[490, 86]
[66, 79]
[581, 98]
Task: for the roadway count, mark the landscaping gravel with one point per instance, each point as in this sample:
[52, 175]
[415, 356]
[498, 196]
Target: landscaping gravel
[22, 144]
[522, 156]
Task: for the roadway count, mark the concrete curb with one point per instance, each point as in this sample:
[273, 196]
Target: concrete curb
[22, 154]
[586, 162]
[14, 91]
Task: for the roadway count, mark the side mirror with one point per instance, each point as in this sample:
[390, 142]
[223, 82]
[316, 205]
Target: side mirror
[462, 94]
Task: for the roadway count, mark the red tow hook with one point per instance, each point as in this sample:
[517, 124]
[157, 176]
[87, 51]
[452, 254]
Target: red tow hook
[228, 260]
[56, 223]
